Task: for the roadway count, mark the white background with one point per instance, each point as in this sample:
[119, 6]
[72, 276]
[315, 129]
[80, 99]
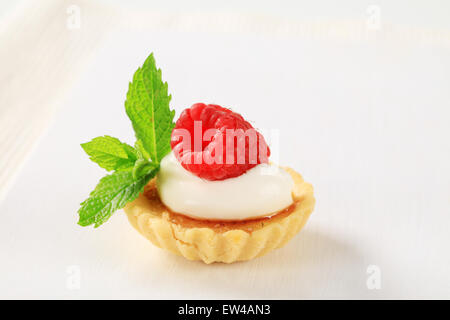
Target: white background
[362, 107]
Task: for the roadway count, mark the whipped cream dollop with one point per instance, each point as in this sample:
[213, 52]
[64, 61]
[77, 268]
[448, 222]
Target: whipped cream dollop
[261, 191]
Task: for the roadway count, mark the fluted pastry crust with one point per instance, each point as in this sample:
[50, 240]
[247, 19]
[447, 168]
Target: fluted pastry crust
[219, 241]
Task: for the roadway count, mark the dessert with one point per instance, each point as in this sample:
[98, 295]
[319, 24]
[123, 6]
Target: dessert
[202, 187]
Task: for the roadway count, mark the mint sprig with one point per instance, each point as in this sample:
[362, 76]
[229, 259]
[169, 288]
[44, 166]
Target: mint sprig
[147, 106]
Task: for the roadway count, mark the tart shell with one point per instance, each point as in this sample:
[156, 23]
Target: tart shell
[219, 241]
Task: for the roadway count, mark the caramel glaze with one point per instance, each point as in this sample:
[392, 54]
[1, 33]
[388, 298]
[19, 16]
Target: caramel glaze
[218, 226]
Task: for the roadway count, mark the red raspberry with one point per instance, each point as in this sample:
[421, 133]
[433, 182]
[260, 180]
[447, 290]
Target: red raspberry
[231, 139]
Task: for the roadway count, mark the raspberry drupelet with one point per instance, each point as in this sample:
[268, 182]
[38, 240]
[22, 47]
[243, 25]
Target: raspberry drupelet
[228, 145]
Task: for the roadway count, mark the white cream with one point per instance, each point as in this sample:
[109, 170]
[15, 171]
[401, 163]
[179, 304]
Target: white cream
[261, 191]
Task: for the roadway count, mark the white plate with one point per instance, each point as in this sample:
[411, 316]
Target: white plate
[365, 123]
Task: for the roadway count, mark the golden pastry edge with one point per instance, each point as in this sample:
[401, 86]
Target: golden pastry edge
[202, 243]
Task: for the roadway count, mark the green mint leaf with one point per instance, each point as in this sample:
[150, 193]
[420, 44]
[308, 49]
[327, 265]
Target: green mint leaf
[140, 150]
[147, 106]
[113, 192]
[109, 153]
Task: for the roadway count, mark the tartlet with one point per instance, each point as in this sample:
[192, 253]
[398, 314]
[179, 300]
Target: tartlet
[219, 241]
[209, 166]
